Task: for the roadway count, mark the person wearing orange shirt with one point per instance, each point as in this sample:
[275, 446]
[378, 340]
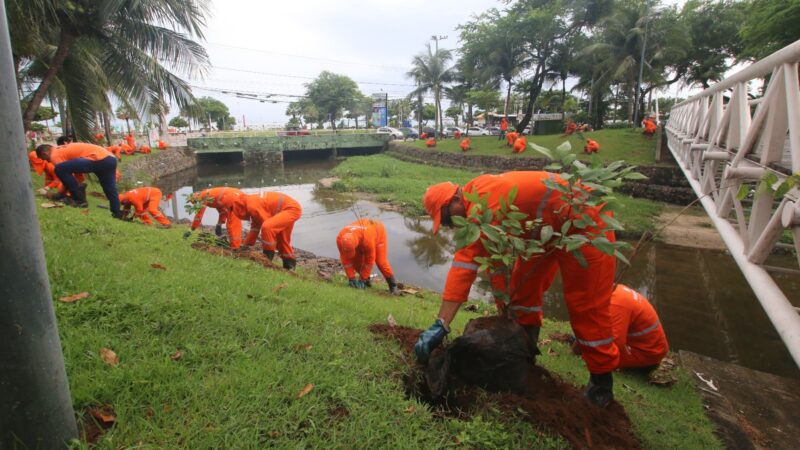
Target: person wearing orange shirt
[571, 128]
[126, 148]
[144, 201]
[37, 164]
[81, 157]
[650, 127]
[430, 143]
[162, 145]
[362, 244]
[223, 200]
[638, 333]
[591, 146]
[272, 215]
[511, 136]
[130, 140]
[587, 284]
[115, 150]
[465, 144]
[503, 129]
[520, 144]
[99, 137]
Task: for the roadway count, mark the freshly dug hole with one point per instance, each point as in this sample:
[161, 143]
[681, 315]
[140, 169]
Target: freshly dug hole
[549, 404]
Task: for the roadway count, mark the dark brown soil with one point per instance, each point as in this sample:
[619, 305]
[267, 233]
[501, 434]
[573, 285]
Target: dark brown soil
[93, 422]
[548, 403]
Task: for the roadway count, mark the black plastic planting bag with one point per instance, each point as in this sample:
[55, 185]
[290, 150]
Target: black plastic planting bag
[493, 353]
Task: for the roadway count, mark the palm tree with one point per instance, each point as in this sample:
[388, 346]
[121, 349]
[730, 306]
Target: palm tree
[431, 73]
[118, 43]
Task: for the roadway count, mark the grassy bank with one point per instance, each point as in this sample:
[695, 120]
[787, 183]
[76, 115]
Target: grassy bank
[627, 144]
[252, 339]
[404, 183]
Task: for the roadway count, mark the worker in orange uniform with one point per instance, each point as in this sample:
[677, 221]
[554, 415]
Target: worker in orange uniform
[424, 135]
[115, 150]
[650, 127]
[456, 134]
[126, 149]
[223, 200]
[587, 290]
[144, 201]
[511, 137]
[130, 140]
[638, 332]
[572, 127]
[162, 145]
[99, 137]
[520, 144]
[37, 164]
[503, 129]
[591, 146]
[145, 149]
[362, 244]
[465, 144]
[81, 157]
[272, 215]
[430, 143]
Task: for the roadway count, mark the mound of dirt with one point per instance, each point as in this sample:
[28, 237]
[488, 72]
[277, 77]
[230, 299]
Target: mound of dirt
[545, 401]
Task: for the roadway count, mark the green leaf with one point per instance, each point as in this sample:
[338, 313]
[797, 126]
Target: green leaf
[564, 147]
[517, 215]
[634, 176]
[621, 257]
[543, 150]
[565, 227]
[547, 233]
[612, 223]
[784, 187]
[581, 259]
[512, 195]
[604, 245]
[492, 233]
[743, 191]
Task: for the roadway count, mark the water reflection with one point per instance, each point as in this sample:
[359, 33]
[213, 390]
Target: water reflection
[703, 300]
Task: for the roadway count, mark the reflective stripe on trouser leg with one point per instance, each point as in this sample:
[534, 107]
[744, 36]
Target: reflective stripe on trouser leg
[284, 242]
[587, 292]
[529, 281]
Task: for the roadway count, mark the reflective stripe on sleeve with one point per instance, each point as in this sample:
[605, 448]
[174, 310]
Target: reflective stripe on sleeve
[465, 265]
[596, 343]
[646, 330]
[280, 203]
[543, 201]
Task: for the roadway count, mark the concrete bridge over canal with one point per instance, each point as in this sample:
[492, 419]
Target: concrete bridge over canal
[271, 149]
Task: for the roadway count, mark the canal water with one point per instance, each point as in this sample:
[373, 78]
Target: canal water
[704, 302]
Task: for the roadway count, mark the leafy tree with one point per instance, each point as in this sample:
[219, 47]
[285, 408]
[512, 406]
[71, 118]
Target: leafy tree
[206, 110]
[454, 112]
[178, 122]
[38, 127]
[431, 72]
[399, 109]
[428, 112]
[126, 113]
[294, 122]
[43, 113]
[361, 106]
[713, 27]
[294, 110]
[332, 94]
[769, 25]
[488, 100]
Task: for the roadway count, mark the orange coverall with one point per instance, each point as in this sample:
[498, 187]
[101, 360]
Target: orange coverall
[99, 137]
[115, 150]
[162, 145]
[511, 137]
[637, 330]
[503, 124]
[51, 181]
[423, 135]
[145, 149]
[127, 149]
[464, 144]
[131, 141]
[143, 200]
[430, 143]
[591, 146]
[587, 291]
[37, 164]
[362, 244]
[649, 126]
[520, 144]
[272, 215]
[223, 200]
[571, 128]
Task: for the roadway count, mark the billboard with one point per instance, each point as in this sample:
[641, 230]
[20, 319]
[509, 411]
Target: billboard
[380, 113]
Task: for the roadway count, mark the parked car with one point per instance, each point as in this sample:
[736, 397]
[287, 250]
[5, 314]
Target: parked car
[294, 131]
[396, 134]
[431, 132]
[451, 131]
[493, 131]
[476, 131]
[410, 133]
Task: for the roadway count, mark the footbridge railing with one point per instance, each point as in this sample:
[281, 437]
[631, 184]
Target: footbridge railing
[737, 149]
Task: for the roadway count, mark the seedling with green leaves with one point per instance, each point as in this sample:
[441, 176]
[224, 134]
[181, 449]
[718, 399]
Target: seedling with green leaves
[509, 234]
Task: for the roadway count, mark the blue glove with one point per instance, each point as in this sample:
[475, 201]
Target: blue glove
[187, 234]
[362, 284]
[353, 283]
[429, 340]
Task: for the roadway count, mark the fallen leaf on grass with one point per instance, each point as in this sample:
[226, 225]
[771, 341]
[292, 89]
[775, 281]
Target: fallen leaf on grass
[303, 346]
[85, 212]
[552, 352]
[74, 298]
[278, 288]
[149, 413]
[109, 357]
[158, 266]
[545, 342]
[411, 409]
[167, 408]
[303, 392]
[392, 322]
[176, 356]
[105, 414]
[664, 375]
[48, 205]
[274, 434]
[410, 291]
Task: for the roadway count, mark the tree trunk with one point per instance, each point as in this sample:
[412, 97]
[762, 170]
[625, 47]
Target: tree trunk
[508, 97]
[64, 44]
[128, 124]
[533, 95]
[107, 126]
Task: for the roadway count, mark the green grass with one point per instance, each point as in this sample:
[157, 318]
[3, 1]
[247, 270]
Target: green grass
[404, 184]
[627, 144]
[243, 363]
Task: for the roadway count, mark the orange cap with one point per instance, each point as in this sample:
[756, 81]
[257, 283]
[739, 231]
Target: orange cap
[347, 244]
[435, 198]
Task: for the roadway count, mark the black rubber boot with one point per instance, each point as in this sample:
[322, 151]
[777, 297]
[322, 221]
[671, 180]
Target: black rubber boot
[533, 336]
[600, 390]
[392, 286]
[289, 264]
[270, 254]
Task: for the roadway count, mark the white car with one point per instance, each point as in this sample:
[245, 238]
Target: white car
[451, 131]
[475, 131]
[396, 134]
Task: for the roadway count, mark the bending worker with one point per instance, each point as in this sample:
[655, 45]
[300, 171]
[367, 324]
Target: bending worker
[361, 245]
[144, 200]
[81, 157]
[587, 290]
[272, 215]
[223, 200]
[638, 332]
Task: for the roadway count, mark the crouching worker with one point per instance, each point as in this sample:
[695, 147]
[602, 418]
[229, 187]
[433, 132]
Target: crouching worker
[81, 157]
[272, 215]
[638, 332]
[587, 289]
[362, 244]
[144, 201]
[223, 200]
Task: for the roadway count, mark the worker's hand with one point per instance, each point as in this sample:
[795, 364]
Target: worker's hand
[187, 234]
[429, 340]
[218, 230]
[353, 283]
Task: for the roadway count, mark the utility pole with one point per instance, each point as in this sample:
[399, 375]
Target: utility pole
[641, 68]
[35, 404]
[440, 125]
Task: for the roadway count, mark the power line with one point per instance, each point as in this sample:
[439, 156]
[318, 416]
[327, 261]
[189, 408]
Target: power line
[304, 77]
[314, 58]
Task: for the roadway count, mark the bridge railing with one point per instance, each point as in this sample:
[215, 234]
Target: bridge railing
[737, 149]
[269, 133]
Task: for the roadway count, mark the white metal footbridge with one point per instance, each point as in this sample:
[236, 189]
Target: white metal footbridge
[745, 131]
